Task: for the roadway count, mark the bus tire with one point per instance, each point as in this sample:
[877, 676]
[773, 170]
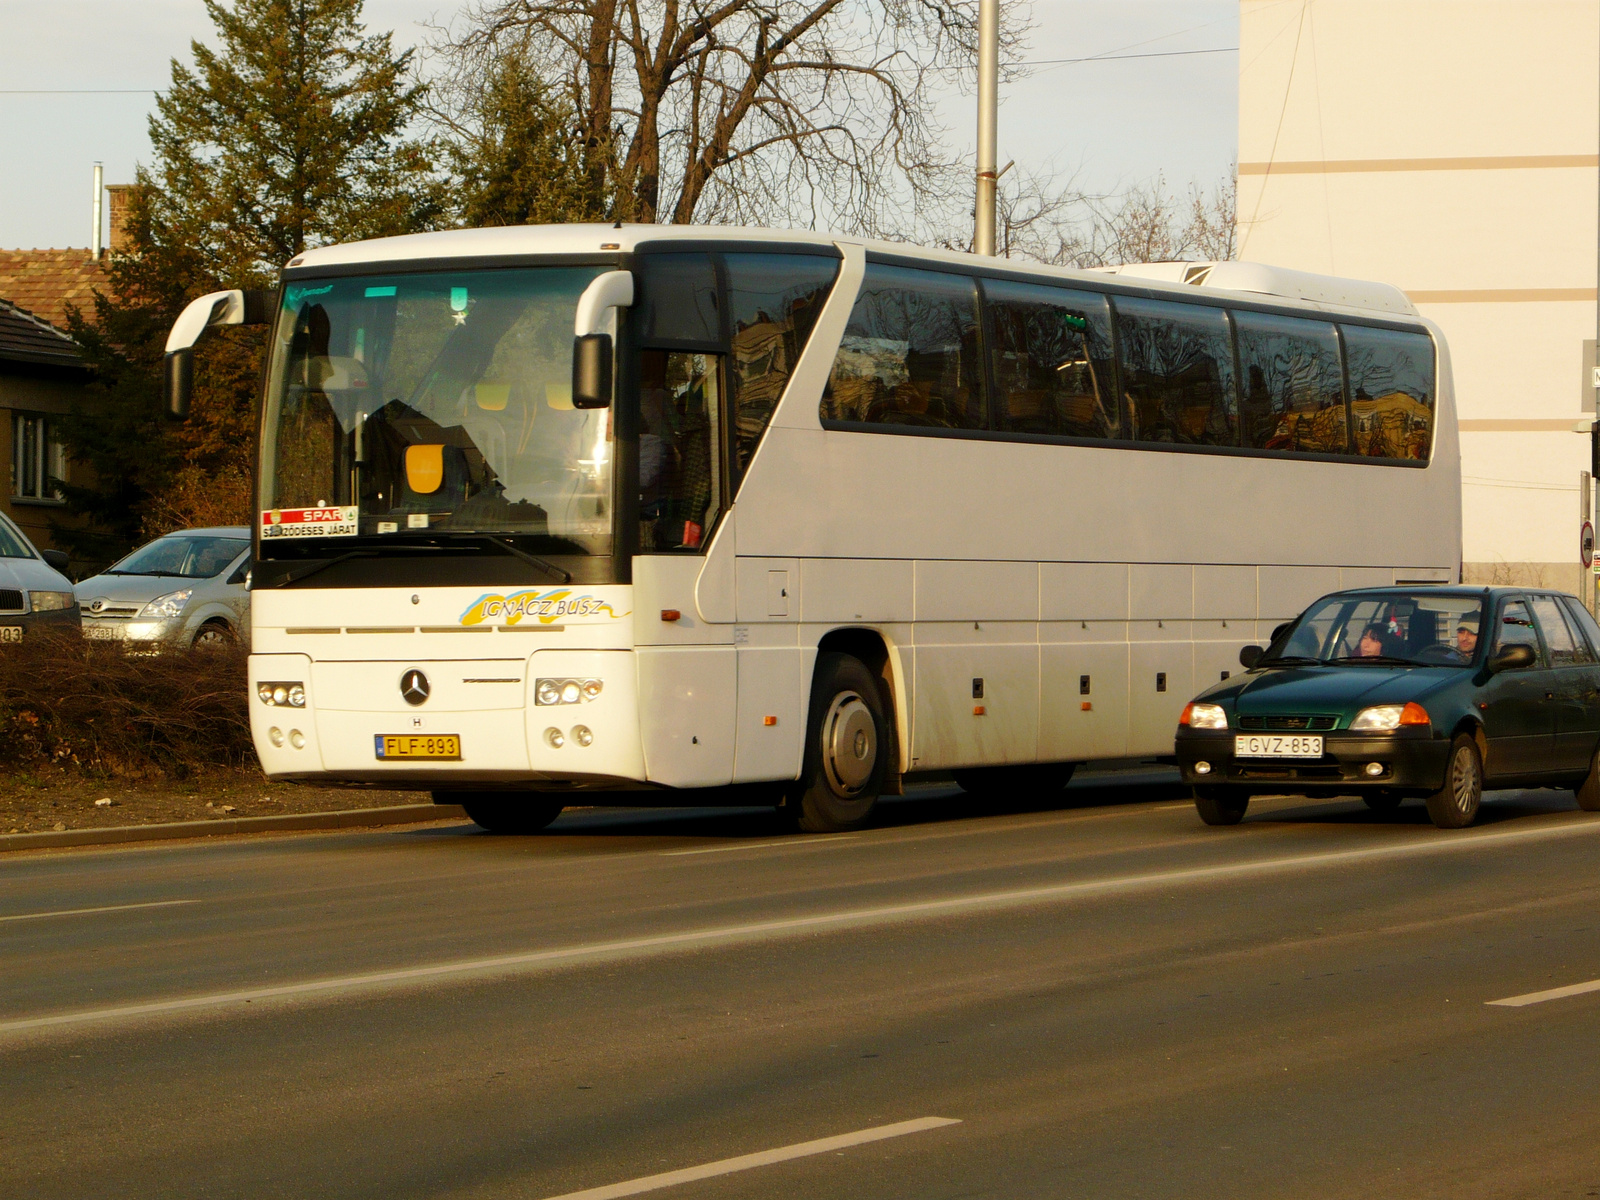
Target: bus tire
[1220, 805]
[504, 812]
[1455, 805]
[847, 748]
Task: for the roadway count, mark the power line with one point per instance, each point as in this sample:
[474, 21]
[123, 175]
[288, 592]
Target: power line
[78, 91]
[1058, 62]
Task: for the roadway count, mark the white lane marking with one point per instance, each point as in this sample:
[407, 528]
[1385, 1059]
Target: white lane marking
[744, 1162]
[1560, 993]
[860, 917]
[79, 912]
[784, 844]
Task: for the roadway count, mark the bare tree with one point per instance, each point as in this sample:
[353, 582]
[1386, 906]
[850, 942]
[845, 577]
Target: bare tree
[818, 112]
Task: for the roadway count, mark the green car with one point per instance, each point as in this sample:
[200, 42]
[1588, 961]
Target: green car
[1398, 693]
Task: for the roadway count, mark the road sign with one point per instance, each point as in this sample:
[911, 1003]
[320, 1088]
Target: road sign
[1586, 544]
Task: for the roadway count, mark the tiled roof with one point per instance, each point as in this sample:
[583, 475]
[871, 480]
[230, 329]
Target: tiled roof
[47, 282]
[25, 338]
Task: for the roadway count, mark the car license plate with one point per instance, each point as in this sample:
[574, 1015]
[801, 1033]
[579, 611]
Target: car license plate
[10, 633]
[417, 745]
[102, 633]
[1276, 745]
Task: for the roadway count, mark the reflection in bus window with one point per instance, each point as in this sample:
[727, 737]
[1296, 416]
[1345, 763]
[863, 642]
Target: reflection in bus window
[1177, 372]
[1292, 383]
[773, 302]
[679, 480]
[910, 353]
[1052, 361]
[1391, 392]
[678, 300]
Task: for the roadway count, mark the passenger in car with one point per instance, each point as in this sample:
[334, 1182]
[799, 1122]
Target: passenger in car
[1373, 642]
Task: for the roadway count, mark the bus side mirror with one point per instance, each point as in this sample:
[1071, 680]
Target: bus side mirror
[1511, 658]
[1249, 656]
[236, 307]
[591, 370]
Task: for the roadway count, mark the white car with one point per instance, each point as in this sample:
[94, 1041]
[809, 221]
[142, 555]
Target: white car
[183, 589]
[33, 590]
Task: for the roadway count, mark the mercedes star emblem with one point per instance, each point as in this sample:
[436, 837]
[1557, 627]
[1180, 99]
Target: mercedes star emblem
[414, 686]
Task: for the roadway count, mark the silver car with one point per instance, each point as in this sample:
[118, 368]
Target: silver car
[33, 591]
[184, 589]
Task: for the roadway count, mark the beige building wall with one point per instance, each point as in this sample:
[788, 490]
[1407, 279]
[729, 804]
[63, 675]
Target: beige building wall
[1449, 147]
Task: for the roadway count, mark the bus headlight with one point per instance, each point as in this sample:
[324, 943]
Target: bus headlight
[284, 694]
[565, 691]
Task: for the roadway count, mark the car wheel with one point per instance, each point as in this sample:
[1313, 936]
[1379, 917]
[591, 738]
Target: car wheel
[1589, 790]
[213, 635]
[499, 812]
[847, 749]
[1221, 805]
[1455, 805]
[1383, 801]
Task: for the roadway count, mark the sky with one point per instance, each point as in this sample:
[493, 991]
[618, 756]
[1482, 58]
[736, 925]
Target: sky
[1107, 124]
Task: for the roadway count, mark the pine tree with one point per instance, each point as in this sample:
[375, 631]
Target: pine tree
[292, 133]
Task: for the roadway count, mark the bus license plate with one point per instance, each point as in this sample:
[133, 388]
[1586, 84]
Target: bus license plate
[10, 633]
[417, 745]
[1274, 745]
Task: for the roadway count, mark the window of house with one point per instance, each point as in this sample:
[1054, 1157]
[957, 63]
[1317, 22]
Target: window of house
[909, 355]
[1391, 392]
[1177, 372]
[1052, 361]
[1292, 385]
[38, 459]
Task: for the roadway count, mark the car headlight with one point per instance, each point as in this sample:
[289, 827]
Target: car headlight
[565, 691]
[1204, 716]
[170, 605]
[51, 601]
[285, 693]
[1391, 716]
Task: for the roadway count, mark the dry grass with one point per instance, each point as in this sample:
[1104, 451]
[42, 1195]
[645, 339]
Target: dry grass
[91, 709]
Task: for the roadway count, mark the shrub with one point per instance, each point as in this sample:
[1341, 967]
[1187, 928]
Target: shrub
[91, 707]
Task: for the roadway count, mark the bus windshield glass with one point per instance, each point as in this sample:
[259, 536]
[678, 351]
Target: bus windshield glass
[434, 404]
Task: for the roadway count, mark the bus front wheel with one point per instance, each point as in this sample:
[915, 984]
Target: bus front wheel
[847, 748]
[499, 812]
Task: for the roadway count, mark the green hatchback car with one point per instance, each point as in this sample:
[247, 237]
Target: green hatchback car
[1398, 693]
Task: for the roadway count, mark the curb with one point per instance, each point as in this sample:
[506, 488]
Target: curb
[352, 818]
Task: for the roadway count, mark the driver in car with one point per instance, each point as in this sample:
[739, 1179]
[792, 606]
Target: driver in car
[1466, 641]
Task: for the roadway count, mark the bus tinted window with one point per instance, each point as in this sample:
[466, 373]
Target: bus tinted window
[1052, 361]
[1391, 391]
[679, 488]
[773, 302]
[910, 353]
[678, 301]
[1292, 384]
[1177, 372]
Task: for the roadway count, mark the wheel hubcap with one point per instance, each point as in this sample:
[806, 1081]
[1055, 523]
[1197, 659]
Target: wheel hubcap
[1464, 781]
[849, 743]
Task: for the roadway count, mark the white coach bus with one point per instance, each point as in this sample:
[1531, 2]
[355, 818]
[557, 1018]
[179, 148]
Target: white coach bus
[552, 513]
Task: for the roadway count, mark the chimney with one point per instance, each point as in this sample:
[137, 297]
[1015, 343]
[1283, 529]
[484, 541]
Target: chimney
[121, 194]
[95, 243]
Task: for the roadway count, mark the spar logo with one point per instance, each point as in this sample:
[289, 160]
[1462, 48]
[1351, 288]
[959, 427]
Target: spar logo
[544, 607]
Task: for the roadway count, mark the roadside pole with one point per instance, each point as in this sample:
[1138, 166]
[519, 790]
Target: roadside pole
[1585, 542]
[988, 119]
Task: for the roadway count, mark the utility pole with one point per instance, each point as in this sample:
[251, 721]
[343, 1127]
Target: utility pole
[988, 117]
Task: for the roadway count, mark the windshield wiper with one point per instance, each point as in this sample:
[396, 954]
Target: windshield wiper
[548, 568]
[1290, 660]
[153, 574]
[295, 576]
[1382, 660]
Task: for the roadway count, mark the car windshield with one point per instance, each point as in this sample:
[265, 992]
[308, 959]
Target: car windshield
[12, 543]
[438, 402]
[183, 556]
[1415, 628]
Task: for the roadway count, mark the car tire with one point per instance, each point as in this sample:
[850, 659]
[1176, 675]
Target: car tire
[1456, 804]
[213, 635]
[847, 749]
[1383, 801]
[1025, 780]
[1220, 805]
[505, 813]
[1588, 792]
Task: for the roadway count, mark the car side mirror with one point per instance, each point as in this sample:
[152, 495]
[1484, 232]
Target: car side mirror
[591, 370]
[1249, 656]
[241, 573]
[1511, 658]
[56, 559]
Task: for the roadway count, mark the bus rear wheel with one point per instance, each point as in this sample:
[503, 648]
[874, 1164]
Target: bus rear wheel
[847, 748]
[503, 812]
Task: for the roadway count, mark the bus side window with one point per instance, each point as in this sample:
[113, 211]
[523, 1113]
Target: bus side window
[1052, 361]
[773, 302]
[1177, 371]
[679, 464]
[909, 355]
[1293, 385]
[1391, 391]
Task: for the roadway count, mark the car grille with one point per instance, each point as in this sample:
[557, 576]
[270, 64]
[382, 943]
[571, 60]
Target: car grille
[112, 612]
[1287, 722]
[11, 600]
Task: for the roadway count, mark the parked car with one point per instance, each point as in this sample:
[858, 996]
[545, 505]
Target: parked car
[1396, 693]
[183, 589]
[34, 590]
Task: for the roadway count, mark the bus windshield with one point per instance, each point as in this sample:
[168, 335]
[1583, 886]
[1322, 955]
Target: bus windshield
[437, 402]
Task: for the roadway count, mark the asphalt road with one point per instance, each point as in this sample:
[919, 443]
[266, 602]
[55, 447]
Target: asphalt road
[1101, 999]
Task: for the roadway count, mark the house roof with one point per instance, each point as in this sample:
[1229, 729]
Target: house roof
[47, 282]
[25, 338]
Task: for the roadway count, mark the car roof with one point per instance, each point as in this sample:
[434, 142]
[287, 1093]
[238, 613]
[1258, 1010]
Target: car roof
[1448, 589]
[234, 531]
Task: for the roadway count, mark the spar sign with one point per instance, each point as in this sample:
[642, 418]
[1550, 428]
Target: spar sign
[309, 522]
